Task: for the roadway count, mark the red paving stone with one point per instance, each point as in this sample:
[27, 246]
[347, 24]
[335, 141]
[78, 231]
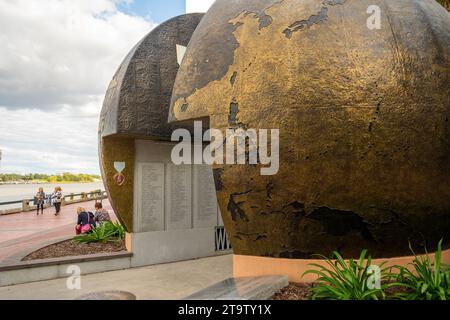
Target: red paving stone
[22, 231]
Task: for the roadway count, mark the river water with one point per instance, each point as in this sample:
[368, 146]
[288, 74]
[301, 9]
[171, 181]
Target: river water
[27, 191]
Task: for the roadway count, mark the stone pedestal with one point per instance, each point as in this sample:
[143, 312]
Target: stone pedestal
[251, 266]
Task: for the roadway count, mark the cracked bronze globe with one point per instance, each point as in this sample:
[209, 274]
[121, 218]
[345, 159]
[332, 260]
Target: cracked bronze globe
[363, 115]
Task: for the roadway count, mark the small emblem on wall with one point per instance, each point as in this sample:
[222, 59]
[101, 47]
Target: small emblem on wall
[181, 51]
[119, 178]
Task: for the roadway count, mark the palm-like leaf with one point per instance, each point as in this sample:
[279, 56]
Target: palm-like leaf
[429, 281]
[341, 280]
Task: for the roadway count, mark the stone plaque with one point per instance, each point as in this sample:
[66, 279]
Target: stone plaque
[179, 197]
[151, 197]
[205, 199]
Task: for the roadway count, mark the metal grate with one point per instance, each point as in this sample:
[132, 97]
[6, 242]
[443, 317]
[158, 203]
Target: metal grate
[222, 241]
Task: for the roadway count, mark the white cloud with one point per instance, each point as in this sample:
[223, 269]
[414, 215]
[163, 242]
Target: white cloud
[198, 5]
[61, 51]
[56, 61]
[39, 141]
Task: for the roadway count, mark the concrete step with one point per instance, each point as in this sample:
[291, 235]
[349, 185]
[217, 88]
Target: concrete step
[249, 288]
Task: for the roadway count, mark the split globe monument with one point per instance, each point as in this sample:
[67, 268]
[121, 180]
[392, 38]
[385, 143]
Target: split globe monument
[356, 117]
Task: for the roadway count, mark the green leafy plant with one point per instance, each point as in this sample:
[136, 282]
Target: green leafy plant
[106, 232]
[426, 280]
[120, 230]
[346, 280]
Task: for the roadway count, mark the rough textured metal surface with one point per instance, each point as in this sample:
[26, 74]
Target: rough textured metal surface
[137, 105]
[445, 4]
[363, 118]
[121, 197]
[138, 98]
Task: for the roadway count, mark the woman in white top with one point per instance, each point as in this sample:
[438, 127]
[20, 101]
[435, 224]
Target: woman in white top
[57, 197]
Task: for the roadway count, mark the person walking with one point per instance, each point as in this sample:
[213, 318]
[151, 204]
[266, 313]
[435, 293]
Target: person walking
[39, 199]
[101, 215]
[57, 197]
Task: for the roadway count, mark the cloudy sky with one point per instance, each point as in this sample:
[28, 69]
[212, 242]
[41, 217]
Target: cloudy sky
[56, 61]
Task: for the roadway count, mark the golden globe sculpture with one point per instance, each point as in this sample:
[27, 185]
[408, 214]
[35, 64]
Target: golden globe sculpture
[363, 114]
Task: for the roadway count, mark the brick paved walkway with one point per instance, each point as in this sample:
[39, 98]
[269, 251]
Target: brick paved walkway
[22, 231]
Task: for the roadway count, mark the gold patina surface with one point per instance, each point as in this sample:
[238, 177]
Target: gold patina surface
[363, 118]
[119, 149]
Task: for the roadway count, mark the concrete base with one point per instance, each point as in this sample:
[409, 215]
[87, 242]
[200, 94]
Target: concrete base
[150, 248]
[48, 269]
[160, 282]
[249, 266]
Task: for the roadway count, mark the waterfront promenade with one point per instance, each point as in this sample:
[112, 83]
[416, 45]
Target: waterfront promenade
[25, 231]
[165, 281]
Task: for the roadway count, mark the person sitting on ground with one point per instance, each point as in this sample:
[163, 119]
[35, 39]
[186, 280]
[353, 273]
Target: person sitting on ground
[39, 200]
[101, 215]
[85, 222]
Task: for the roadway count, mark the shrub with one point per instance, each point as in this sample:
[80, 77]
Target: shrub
[427, 281]
[107, 231]
[346, 281]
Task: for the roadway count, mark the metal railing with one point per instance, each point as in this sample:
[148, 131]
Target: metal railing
[30, 204]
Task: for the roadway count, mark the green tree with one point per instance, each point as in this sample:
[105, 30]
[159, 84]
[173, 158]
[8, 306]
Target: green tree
[65, 177]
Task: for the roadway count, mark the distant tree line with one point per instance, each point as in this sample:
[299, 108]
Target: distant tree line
[64, 177]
